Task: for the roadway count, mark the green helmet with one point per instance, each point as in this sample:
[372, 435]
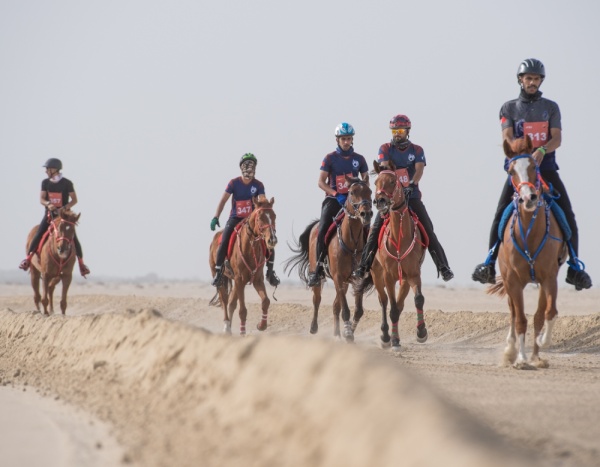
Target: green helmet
[53, 163]
[248, 157]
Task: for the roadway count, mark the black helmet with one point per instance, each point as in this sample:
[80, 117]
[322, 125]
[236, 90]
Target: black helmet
[248, 157]
[53, 163]
[533, 66]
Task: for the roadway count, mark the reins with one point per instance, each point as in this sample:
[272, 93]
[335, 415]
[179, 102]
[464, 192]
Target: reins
[254, 238]
[54, 235]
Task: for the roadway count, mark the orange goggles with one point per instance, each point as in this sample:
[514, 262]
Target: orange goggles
[399, 131]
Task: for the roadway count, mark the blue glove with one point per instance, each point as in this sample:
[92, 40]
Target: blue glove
[341, 198]
[214, 222]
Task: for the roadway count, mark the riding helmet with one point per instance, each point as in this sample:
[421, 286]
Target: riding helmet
[344, 129]
[400, 121]
[248, 157]
[53, 163]
[533, 66]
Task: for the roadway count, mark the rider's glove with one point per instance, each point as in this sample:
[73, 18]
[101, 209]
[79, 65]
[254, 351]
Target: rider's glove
[214, 223]
[341, 198]
[409, 189]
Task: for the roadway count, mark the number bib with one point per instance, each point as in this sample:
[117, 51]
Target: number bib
[341, 184]
[243, 208]
[55, 199]
[403, 177]
[537, 131]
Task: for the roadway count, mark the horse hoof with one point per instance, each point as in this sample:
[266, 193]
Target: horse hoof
[262, 326]
[350, 338]
[384, 343]
[422, 338]
[396, 348]
[314, 329]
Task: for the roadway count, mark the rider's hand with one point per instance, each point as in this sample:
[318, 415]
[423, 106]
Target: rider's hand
[538, 156]
[341, 198]
[408, 190]
[214, 223]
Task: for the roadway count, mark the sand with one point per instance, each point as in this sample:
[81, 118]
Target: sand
[149, 366]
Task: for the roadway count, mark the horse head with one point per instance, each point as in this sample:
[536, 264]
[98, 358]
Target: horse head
[358, 203]
[524, 171]
[262, 220]
[388, 191]
[63, 230]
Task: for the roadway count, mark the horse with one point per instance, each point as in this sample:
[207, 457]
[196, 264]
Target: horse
[54, 261]
[400, 254]
[253, 237]
[532, 251]
[344, 251]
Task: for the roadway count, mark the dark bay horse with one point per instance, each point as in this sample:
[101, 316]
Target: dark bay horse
[532, 251]
[344, 251]
[401, 252]
[55, 260]
[253, 237]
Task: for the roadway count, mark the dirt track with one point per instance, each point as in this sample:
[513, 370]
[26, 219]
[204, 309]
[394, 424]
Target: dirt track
[134, 356]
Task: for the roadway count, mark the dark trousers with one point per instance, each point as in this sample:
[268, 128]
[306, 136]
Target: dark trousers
[226, 236]
[44, 225]
[551, 177]
[329, 210]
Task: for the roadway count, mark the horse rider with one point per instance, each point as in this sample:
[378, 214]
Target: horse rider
[243, 189]
[409, 159]
[57, 193]
[332, 180]
[533, 115]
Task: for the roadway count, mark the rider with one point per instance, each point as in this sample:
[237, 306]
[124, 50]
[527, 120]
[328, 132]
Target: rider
[332, 180]
[539, 117]
[243, 189]
[57, 193]
[409, 160]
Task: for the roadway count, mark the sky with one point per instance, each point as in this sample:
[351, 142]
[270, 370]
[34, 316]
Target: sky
[150, 105]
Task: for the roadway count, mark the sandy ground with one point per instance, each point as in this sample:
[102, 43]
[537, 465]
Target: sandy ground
[145, 369]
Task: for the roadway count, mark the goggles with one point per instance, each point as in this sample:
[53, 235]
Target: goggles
[399, 131]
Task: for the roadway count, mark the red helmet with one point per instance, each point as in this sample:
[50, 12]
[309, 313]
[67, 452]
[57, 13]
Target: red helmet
[400, 121]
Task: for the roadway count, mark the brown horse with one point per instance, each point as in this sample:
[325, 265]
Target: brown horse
[55, 260]
[344, 250]
[400, 254]
[255, 236]
[532, 250]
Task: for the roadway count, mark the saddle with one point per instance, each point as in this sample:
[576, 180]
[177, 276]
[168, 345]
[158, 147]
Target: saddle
[233, 238]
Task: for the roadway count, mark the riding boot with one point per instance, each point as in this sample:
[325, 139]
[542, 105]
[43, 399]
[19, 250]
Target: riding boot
[369, 251]
[83, 269]
[576, 274]
[218, 279]
[315, 277]
[486, 271]
[271, 275]
[26, 262]
[441, 263]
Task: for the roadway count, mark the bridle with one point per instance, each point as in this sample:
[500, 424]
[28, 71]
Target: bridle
[260, 227]
[539, 182]
[54, 231]
[356, 206]
[390, 196]
[256, 235]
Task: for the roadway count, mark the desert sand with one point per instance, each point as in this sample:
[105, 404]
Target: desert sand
[148, 366]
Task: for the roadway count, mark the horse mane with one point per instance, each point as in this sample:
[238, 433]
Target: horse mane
[263, 203]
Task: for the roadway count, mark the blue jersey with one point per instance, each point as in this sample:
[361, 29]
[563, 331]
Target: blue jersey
[534, 116]
[339, 164]
[404, 160]
[242, 194]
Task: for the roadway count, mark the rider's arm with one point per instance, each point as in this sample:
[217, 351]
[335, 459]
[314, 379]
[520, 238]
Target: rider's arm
[419, 169]
[44, 199]
[72, 200]
[323, 185]
[221, 205]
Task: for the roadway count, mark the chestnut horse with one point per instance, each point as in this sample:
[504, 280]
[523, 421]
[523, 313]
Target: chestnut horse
[254, 236]
[532, 251]
[55, 260]
[344, 252]
[400, 253]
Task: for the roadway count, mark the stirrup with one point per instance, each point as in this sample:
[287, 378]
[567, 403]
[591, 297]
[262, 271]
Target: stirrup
[485, 273]
[272, 278]
[360, 272]
[218, 279]
[579, 278]
[314, 278]
[446, 273]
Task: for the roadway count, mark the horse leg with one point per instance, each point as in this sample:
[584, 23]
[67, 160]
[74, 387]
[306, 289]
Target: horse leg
[51, 288]
[243, 310]
[419, 304]
[336, 314]
[544, 319]
[520, 324]
[264, 303]
[35, 284]
[510, 352]
[45, 286]
[384, 340]
[358, 310]
[229, 301]
[314, 325]
[66, 282]
[348, 332]
[390, 285]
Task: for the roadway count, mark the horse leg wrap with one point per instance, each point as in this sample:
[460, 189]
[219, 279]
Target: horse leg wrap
[419, 301]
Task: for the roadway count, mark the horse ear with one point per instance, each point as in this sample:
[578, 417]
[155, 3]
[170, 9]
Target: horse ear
[272, 202]
[507, 149]
[391, 165]
[529, 144]
[376, 167]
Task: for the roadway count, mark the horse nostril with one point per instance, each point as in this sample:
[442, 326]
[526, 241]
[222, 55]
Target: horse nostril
[534, 197]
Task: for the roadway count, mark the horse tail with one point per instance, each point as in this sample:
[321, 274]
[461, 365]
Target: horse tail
[363, 285]
[300, 259]
[497, 288]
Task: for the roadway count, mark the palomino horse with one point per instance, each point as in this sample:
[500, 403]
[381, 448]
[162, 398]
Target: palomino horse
[55, 261]
[399, 257]
[344, 251]
[255, 235]
[532, 250]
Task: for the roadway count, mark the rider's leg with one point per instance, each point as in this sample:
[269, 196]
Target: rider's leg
[329, 209]
[486, 271]
[83, 269]
[35, 242]
[368, 254]
[222, 250]
[435, 248]
[271, 275]
[576, 274]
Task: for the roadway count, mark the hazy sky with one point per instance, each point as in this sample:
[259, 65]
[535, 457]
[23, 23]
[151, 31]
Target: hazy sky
[150, 105]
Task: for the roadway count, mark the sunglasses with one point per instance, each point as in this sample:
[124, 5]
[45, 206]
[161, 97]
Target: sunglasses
[399, 132]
